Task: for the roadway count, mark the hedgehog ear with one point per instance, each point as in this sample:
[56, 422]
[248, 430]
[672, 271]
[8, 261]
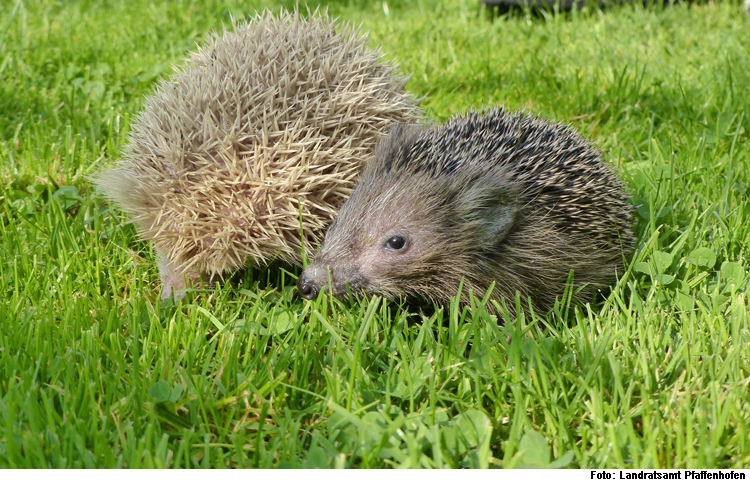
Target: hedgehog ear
[497, 220]
[490, 211]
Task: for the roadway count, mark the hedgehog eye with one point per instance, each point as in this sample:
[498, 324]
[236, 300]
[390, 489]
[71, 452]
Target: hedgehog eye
[395, 243]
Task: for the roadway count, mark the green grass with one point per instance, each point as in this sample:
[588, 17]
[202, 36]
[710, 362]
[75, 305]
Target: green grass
[96, 372]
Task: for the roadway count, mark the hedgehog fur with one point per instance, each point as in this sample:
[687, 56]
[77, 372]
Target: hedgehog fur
[265, 126]
[488, 198]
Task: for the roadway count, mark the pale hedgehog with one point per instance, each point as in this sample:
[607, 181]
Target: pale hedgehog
[263, 127]
[497, 197]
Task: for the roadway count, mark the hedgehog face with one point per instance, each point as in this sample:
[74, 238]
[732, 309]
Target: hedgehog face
[408, 241]
[383, 244]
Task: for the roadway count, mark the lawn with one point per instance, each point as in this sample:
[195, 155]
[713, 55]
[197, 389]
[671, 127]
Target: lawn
[96, 372]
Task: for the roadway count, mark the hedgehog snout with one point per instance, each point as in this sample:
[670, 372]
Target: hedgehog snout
[308, 287]
[313, 280]
[343, 279]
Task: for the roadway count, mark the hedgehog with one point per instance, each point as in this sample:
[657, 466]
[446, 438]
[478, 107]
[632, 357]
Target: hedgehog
[264, 129]
[492, 199]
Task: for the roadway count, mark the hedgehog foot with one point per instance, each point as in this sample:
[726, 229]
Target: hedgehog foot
[175, 281]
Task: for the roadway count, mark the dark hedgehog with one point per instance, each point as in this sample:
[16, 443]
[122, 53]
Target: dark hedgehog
[494, 197]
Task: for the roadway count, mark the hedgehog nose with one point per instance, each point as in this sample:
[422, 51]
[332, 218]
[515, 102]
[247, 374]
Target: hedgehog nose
[307, 287]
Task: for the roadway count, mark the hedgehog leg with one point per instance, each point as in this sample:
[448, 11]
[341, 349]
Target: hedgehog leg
[175, 281]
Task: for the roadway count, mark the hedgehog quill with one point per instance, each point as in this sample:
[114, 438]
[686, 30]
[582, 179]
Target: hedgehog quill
[493, 197]
[263, 126]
